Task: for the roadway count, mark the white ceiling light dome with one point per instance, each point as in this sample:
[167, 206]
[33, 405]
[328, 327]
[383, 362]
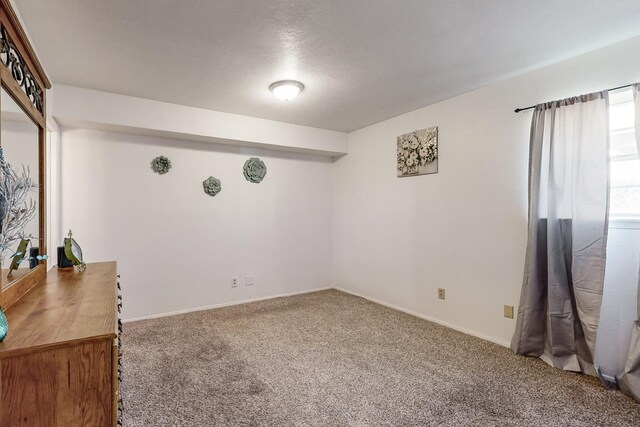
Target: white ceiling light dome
[286, 90]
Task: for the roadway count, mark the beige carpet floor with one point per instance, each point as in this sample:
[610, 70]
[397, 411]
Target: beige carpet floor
[332, 359]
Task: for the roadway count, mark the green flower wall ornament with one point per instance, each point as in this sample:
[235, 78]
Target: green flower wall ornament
[212, 186]
[254, 170]
[161, 165]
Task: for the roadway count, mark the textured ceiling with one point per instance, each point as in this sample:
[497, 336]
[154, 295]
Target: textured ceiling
[362, 61]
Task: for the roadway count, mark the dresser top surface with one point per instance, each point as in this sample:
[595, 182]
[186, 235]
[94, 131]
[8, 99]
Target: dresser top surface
[65, 307]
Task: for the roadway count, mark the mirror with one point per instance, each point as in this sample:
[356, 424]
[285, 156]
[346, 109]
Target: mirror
[19, 141]
[23, 121]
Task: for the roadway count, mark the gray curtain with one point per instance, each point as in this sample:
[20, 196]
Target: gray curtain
[568, 210]
[629, 381]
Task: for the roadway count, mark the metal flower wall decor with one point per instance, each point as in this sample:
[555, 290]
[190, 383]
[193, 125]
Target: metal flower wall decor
[418, 152]
[212, 186]
[254, 170]
[161, 165]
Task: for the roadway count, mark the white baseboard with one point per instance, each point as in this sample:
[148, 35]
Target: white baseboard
[224, 304]
[430, 319]
[377, 301]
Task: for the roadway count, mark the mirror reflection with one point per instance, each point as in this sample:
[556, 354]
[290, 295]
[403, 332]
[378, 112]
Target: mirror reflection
[19, 142]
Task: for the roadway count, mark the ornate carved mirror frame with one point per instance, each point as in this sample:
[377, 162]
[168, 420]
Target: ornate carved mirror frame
[23, 78]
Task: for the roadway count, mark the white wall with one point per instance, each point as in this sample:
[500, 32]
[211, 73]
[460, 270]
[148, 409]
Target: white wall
[177, 248]
[53, 155]
[464, 229]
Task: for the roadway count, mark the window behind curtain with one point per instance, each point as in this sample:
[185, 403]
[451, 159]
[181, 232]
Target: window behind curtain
[625, 165]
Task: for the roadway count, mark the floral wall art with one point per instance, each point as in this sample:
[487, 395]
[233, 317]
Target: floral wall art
[418, 152]
[254, 170]
[161, 165]
[212, 186]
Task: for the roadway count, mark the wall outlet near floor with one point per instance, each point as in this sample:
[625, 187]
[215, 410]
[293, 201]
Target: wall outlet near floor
[249, 280]
[234, 282]
[508, 311]
[441, 293]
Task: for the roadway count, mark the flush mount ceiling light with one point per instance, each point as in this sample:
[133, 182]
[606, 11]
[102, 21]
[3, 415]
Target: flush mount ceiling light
[286, 90]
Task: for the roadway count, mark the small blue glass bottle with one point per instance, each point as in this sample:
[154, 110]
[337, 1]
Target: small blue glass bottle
[4, 326]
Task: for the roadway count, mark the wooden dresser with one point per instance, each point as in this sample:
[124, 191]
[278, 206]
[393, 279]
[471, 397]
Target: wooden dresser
[59, 364]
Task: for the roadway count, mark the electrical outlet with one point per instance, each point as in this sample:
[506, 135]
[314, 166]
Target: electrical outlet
[234, 282]
[441, 293]
[508, 311]
[249, 280]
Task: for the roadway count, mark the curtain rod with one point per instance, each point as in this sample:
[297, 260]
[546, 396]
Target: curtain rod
[517, 110]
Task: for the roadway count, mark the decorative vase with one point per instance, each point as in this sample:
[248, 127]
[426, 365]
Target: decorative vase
[4, 326]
